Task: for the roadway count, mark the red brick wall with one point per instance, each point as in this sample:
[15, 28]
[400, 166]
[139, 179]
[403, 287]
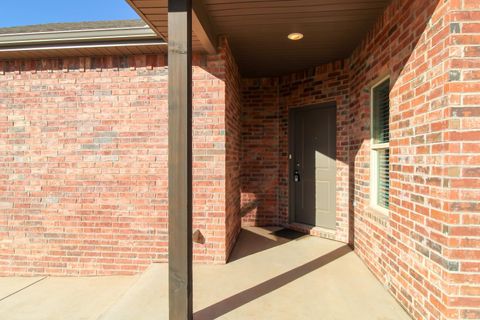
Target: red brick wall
[209, 157]
[462, 161]
[400, 248]
[410, 250]
[216, 168]
[83, 150]
[233, 108]
[83, 157]
[260, 152]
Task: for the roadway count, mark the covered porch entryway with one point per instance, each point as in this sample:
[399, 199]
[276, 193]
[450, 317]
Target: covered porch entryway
[260, 40]
[273, 274]
[266, 76]
[233, 91]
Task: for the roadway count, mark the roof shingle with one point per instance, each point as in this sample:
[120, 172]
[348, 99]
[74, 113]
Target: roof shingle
[73, 26]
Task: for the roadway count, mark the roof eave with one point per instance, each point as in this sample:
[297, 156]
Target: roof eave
[75, 36]
[82, 45]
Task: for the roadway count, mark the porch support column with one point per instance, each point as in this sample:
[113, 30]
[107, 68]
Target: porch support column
[180, 159]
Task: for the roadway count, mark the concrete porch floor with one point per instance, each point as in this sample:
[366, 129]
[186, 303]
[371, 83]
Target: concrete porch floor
[273, 274]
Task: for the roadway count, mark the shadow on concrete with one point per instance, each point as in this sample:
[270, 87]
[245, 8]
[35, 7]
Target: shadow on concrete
[229, 304]
[249, 242]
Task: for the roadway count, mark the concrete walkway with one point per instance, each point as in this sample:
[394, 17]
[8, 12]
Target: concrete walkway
[274, 274]
[55, 298]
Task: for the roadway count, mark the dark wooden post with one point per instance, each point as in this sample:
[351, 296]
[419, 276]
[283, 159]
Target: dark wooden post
[180, 159]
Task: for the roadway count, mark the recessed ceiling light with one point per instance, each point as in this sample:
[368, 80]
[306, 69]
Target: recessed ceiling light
[295, 36]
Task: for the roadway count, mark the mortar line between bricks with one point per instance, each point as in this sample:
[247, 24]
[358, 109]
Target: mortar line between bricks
[21, 289]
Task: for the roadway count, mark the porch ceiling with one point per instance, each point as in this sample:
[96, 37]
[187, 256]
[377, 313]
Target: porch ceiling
[257, 29]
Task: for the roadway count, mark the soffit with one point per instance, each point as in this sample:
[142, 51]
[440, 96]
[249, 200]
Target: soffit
[257, 29]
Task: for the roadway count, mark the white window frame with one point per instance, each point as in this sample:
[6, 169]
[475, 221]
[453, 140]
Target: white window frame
[374, 148]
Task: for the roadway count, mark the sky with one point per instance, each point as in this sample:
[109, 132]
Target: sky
[28, 12]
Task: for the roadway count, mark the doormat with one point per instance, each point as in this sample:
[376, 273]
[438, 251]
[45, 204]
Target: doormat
[288, 234]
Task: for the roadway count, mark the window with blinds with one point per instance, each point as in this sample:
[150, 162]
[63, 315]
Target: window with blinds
[380, 173]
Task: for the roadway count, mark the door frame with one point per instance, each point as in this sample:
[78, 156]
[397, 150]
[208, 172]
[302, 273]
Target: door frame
[291, 151]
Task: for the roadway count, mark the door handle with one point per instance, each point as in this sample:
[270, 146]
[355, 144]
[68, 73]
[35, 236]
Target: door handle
[296, 176]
